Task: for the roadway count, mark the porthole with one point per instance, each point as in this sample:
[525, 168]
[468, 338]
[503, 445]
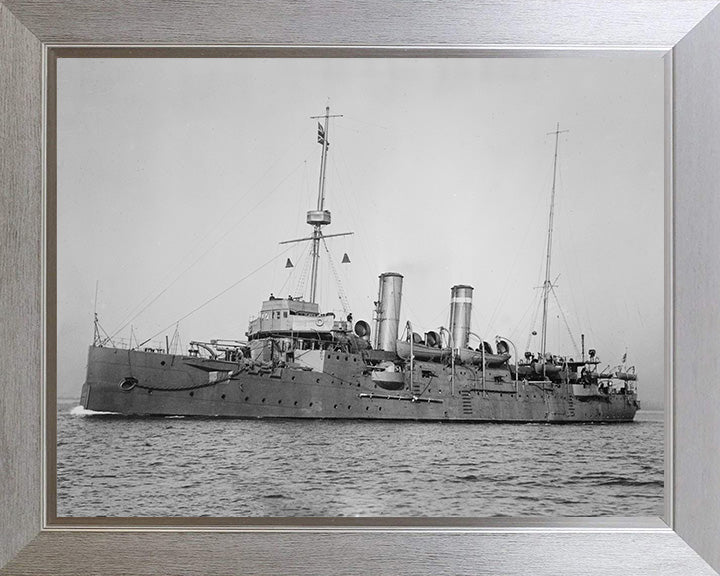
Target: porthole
[335, 406]
[367, 407]
[293, 378]
[223, 396]
[379, 408]
[295, 403]
[263, 400]
[279, 401]
[149, 391]
[162, 363]
[349, 407]
[247, 398]
[337, 357]
[192, 393]
[311, 403]
[317, 380]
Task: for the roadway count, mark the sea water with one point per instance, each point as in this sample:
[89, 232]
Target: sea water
[127, 467]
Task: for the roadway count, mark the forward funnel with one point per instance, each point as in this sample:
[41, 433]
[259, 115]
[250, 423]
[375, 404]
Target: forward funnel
[387, 311]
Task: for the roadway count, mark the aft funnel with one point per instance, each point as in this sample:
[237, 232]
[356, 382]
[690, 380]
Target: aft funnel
[460, 313]
[387, 310]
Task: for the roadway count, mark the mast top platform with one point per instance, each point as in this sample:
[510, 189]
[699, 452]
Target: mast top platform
[318, 217]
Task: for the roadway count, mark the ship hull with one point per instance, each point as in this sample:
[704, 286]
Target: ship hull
[136, 383]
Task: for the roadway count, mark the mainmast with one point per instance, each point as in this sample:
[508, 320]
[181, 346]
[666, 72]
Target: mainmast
[319, 217]
[547, 285]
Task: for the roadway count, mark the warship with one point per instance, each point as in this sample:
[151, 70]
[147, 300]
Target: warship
[298, 362]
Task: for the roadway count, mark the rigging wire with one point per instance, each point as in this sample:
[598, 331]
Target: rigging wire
[306, 253]
[302, 198]
[341, 292]
[414, 316]
[534, 216]
[211, 229]
[514, 332]
[562, 313]
[108, 338]
[350, 209]
[441, 316]
[417, 318]
[202, 255]
[541, 268]
[352, 205]
[175, 342]
[208, 301]
[302, 280]
[583, 307]
[537, 301]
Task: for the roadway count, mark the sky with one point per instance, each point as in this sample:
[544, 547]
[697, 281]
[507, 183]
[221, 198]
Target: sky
[178, 179]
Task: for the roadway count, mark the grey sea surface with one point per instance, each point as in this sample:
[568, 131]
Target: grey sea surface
[129, 467]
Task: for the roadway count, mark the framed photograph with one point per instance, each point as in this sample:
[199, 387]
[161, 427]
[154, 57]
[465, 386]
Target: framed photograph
[124, 130]
[366, 344]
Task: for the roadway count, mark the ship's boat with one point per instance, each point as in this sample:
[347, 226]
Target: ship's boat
[466, 355]
[298, 362]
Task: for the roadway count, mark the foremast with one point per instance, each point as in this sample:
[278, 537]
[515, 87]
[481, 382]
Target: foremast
[320, 216]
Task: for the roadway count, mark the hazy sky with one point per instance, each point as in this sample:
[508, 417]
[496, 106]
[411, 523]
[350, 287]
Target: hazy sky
[178, 178]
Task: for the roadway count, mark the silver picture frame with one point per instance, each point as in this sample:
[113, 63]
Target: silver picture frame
[684, 33]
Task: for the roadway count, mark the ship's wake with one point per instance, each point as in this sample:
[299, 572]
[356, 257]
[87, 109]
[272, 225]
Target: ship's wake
[81, 411]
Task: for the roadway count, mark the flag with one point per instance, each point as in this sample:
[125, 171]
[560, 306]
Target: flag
[321, 134]
[624, 358]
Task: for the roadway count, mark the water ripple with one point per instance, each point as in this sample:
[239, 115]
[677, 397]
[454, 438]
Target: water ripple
[114, 466]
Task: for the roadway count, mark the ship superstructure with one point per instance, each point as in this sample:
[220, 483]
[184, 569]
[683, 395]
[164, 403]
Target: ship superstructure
[298, 362]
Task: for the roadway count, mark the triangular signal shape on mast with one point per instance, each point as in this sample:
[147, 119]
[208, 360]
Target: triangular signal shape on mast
[288, 264]
[345, 259]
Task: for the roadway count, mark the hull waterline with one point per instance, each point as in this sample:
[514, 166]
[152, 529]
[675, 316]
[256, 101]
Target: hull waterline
[137, 383]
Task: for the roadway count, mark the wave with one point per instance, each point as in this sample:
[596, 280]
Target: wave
[81, 411]
[631, 482]
[355, 469]
[468, 477]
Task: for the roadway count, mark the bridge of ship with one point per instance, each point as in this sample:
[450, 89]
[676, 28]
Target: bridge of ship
[292, 315]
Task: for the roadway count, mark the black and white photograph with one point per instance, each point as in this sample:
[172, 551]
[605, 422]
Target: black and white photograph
[360, 287]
